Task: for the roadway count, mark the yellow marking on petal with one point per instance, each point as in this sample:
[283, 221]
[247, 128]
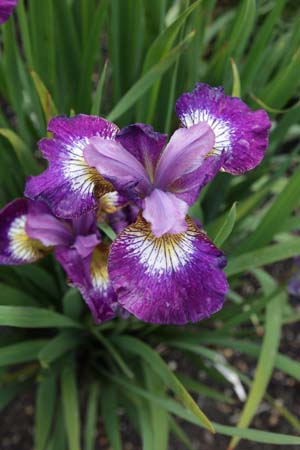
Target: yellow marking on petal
[167, 253]
[109, 201]
[212, 152]
[21, 245]
[99, 273]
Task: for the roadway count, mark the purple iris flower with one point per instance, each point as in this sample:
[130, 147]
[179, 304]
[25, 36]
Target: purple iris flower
[6, 9]
[29, 231]
[69, 186]
[162, 268]
[241, 135]
[162, 180]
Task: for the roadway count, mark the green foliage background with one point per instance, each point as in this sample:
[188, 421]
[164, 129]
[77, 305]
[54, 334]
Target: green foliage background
[128, 60]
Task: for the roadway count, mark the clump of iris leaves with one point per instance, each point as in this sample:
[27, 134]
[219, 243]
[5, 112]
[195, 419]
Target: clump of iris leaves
[128, 61]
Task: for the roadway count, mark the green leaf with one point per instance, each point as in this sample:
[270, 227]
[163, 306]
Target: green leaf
[282, 88]
[146, 81]
[158, 422]
[266, 359]
[262, 256]
[21, 352]
[28, 317]
[91, 416]
[134, 346]
[113, 352]
[44, 416]
[58, 346]
[89, 56]
[14, 297]
[236, 38]
[257, 52]
[200, 388]
[22, 151]
[282, 362]
[272, 220]
[107, 230]
[227, 227]
[71, 405]
[96, 107]
[174, 408]
[47, 103]
[109, 408]
[72, 303]
[236, 84]
[180, 434]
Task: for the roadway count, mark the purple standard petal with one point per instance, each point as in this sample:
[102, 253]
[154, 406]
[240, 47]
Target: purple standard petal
[6, 9]
[173, 279]
[242, 134]
[69, 186]
[90, 276]
[165, 212]
[16, 247]
[184, 154]
[42, 225]
[144, 144]
[117, 165]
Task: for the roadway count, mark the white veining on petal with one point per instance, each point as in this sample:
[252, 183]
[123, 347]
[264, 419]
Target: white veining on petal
[169, 253]
[75, 168]
[220, 128]
[21, 245]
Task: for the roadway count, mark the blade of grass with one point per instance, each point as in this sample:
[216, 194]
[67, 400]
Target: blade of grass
[44, 415]
[227, 227]
[91, 416]
[146, 81]
[70, 403]
[29, 317]
[134, 346]
[110, 418]
[263, 256]
[267, 357]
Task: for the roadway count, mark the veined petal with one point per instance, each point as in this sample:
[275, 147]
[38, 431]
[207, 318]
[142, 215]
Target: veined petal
[144, 144]
[112, 201]
[184, 154]
[240, 133]
[69, 186]
[165, 212]
[173, 279]
[42, 225]
[6, 9]
[117, 165]
[90, 276]
[16, 247]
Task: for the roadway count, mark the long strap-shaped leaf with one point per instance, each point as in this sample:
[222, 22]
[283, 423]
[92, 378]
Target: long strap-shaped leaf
[269, 349]
[136, 347]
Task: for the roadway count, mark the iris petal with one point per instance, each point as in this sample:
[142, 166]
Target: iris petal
[16, 247]
[117, 165]
[240, 133]
[184, 154]
[165, 212]
[90, 276]
[173, 279]
[6, 9]
[69, 186]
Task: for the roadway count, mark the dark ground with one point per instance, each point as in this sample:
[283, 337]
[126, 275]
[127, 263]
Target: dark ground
[16, 430]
